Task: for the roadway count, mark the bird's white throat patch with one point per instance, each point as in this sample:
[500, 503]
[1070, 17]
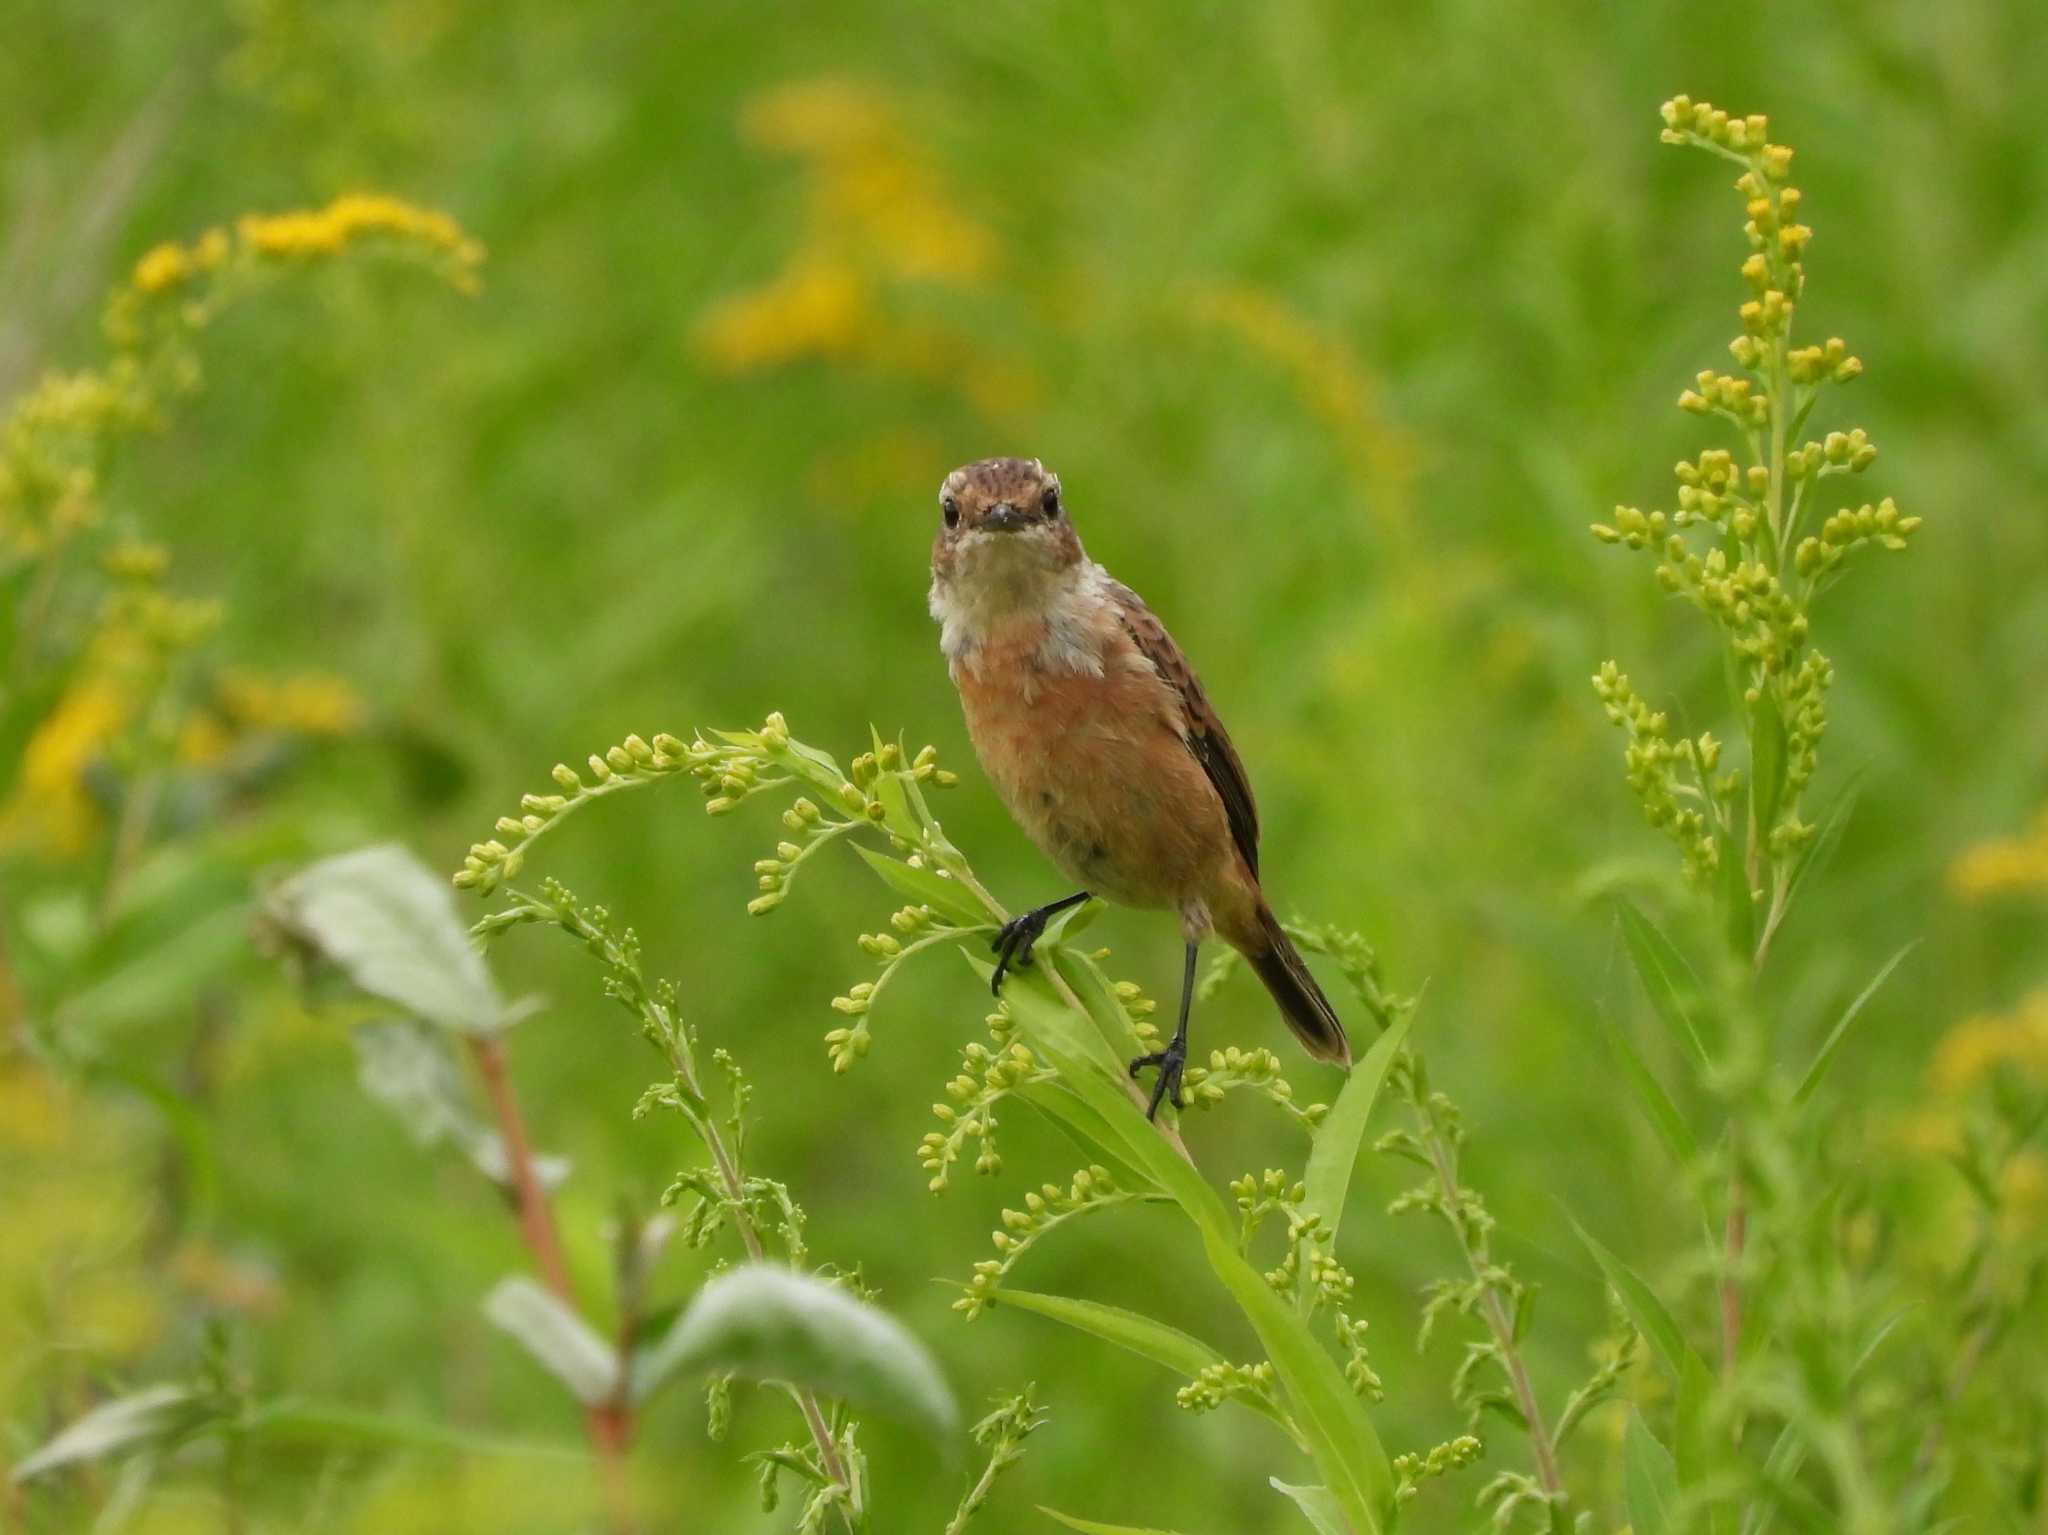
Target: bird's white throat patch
[992, 585]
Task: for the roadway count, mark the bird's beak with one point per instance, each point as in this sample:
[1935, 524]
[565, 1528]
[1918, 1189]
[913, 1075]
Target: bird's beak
[1005, 518]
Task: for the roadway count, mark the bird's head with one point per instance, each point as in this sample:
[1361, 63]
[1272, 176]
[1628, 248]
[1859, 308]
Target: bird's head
[1003, 523]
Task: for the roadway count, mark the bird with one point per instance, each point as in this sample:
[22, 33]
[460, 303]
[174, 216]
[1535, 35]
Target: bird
[1099, 739]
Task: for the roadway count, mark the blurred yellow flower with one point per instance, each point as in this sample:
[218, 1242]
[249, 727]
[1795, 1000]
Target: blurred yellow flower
[815, 308]
[2003, 865]
[356, 216]
[1976, 1046]
[877, 215]
[75, 1211]
[1325, 373]
[50, 810]
[300, 703]
[163, 266]
[869, 187]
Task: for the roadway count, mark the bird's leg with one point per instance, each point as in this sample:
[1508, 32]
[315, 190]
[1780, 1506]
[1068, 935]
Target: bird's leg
[1173, 1060]
[1014, 940]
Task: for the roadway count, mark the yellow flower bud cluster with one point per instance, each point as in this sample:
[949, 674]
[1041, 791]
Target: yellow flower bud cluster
[1216, 1384]
[1358, 1370]
[632, 762]
[1092, 1189]
[1848, 530]
[986, 1077]
[1452, 1455]
[1757, 578]
[1258, 1070]
[1651, 764]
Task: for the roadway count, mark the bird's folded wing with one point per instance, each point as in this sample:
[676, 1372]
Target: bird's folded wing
[1204, 733]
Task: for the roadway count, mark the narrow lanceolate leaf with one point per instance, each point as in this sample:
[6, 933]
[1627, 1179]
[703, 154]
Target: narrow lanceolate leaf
[1674, 990]
[1655, 1103]
[764, 1322]
[947, 897]
[149, 1416]
[1094, 1527]
[1820, 849]
[1316, 1503]
[1738, 900]
[388, 922]
[1180, 1352]
[1833, 1043]
[565, 1345]
[1334, 1155]
[1643, 1308]
[1340, 1434]
[1649, 1479]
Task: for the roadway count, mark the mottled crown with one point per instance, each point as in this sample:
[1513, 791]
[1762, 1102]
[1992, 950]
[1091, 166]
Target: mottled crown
[979, 487]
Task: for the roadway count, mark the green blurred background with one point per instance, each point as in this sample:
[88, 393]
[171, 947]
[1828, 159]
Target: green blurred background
[1340, 324]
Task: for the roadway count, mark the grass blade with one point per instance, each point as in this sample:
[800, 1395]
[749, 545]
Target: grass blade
[1672, 987]
[1183, 1353]
[1334, 1156]
[1643, 1307]
[1649, 1479]
[1655, 1103]
[1840, 1032]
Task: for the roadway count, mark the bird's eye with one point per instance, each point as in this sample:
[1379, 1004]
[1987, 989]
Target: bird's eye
[1051, 501]
[951, 510]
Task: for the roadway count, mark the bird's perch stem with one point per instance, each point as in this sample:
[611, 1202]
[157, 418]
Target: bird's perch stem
[607, 1425]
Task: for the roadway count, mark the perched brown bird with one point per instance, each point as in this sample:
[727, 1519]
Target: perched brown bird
[1099, 738]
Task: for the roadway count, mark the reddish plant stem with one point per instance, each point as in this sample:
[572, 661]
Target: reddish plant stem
[1734, 1236]
[608, 1425]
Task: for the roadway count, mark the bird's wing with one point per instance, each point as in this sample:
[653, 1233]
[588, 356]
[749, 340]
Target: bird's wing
[1205, 735]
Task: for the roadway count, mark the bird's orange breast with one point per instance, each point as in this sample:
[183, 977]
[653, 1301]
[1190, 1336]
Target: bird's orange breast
[1094, 765]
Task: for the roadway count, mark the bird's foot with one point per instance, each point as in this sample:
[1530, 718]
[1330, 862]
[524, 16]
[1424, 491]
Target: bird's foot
[1013, 942]
[1172, 1062]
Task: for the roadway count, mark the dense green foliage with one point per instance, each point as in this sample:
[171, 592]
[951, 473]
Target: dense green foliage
[1340, 326]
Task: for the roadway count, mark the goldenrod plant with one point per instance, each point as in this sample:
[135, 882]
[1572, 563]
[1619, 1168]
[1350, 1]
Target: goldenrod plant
[1781, 1345]
[1055, 1044]
[136, 764]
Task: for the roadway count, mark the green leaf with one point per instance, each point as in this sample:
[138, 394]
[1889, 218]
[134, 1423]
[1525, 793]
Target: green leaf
[389, 923]
[1655, 1103]
[406, 1067]
[1820, 848]
[1833, 1044]
[1642, 1306]
[1340, 1434]
[927, 887]
[1032, 1002]
[1767, 760]
[1669, 982]
[150, 1416]
[1087, 1129]
[559, 1340]
[764, 1322]
[1092, 1527]
[1333, 1156]
[1649, 1480]
[1346, 1449]
[1317, 1504]
[1180, 1352]
[1738, 900]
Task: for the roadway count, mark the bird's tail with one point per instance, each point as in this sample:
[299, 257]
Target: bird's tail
[1302, 1003]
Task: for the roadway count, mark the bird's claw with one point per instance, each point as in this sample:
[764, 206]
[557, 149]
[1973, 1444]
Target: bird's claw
[1012, 944]
[1172, 1062]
